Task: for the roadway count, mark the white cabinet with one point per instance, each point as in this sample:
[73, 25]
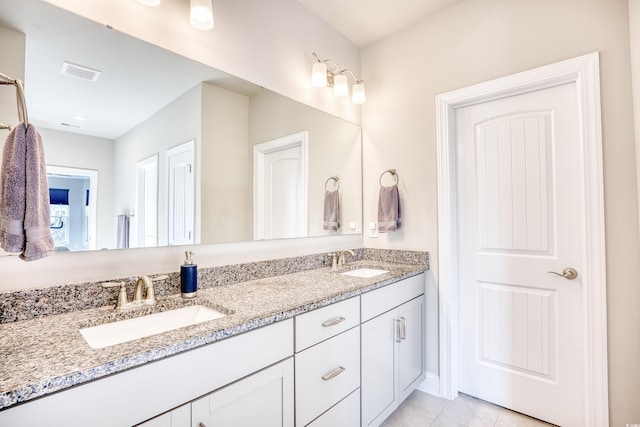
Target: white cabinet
[264, 399]
[327, 369]
[392, 347]
[179, 417]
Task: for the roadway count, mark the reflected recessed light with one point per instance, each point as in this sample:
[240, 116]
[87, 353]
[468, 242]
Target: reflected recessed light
[80, 118]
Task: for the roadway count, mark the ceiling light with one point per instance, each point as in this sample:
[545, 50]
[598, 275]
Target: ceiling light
[80, 118]
[202, 14]
[152, 3]
[337, 78]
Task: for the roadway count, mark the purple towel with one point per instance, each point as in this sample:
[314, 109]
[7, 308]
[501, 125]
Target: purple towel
[24, 196]
[331, 220]
[388, 209]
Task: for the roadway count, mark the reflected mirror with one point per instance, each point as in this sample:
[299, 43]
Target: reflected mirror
[146, 148]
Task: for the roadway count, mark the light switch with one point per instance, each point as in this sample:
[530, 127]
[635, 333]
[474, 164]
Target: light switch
[373, 230]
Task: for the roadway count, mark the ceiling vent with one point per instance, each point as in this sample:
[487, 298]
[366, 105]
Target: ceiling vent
[79, 71]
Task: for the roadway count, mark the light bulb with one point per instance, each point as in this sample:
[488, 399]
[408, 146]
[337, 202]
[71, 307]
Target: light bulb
[357, 94]
[340, 85]
[202, 14]
[319, 75]
[152, 3]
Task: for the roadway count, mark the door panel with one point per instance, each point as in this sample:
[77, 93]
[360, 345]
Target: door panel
[520, 215]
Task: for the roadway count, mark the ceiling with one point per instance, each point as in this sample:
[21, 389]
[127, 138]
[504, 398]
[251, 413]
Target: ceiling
[365, 21]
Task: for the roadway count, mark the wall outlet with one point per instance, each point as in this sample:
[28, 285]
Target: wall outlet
[373, 229]
[353, 226]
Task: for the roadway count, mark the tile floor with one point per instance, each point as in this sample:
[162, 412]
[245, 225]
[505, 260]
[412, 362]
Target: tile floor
[424, 410]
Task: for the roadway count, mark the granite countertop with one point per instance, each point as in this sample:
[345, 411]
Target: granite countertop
[48, 354]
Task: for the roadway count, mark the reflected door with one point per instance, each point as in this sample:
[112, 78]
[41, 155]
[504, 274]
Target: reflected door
[147, 201]
[281, 195]
[181, 200]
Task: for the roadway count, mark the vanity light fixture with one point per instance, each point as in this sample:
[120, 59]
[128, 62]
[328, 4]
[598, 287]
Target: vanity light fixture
[337, 79]
[202, 14]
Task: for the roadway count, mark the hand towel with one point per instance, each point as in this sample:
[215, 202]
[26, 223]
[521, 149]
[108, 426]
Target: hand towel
[24, 198]
[123, 232]
[331, 220]
[388, 209]
[37, 214]
[13, 190]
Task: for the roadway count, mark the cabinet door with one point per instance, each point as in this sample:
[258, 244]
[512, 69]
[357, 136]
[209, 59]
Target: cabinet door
[411, 364]
[378, 351]
[179, 417]
[263, 399]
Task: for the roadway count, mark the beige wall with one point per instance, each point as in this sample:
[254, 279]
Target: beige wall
[225, 166]
[175, 124]
[476, 41]
[334, 148]
[12, 45]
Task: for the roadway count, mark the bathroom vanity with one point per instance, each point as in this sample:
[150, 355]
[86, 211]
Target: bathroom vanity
[315, 347]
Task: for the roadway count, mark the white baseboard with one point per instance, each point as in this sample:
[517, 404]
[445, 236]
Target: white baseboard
[431, 384]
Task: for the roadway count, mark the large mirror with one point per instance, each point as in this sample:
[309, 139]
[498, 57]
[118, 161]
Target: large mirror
[148, 148]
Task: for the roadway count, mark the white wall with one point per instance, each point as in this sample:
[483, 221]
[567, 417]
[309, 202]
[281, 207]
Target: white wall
[475, 41]
[86, 152]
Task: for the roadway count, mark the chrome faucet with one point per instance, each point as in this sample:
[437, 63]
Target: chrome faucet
[142, 283]
[341, 255]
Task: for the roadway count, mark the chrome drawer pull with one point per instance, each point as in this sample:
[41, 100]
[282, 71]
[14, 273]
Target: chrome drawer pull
[333, 322]
[403, 328]
[398, 330]
[334, 373]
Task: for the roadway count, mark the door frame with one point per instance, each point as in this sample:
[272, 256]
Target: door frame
[583, 72]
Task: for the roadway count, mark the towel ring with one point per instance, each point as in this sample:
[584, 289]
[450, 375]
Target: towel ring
[392, 172]
[335, 178]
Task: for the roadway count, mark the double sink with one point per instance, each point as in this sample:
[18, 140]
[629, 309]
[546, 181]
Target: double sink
[160, 320]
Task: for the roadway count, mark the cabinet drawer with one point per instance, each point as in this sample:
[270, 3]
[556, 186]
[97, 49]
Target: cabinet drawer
[326, 322]
[326, 373]
[345, 414]
[384, 299]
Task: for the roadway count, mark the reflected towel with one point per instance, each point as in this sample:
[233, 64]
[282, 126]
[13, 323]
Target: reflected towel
[12, 191]
[388, 209]
[331, 219]
[24, 197]
[123, 231]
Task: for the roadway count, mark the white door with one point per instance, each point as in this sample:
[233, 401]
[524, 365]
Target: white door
[522, 330]
[181, 194]
[281, 188]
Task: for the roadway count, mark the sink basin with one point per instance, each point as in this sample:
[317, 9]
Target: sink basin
[113, 333]
[365, 272]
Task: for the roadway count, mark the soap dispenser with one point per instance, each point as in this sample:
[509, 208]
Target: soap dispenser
[188, 276]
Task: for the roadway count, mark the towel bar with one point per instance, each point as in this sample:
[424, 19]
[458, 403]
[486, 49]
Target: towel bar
[335, 178]
[392, 172]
